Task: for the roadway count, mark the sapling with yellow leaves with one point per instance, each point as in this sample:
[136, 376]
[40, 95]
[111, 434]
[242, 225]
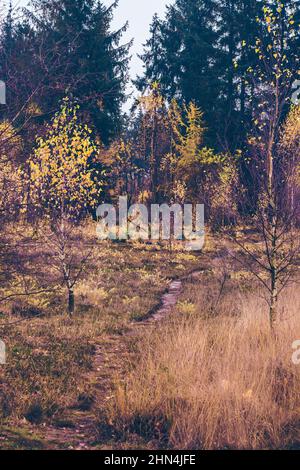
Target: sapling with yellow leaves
[271, 143]
[64, 187]
[207, 177]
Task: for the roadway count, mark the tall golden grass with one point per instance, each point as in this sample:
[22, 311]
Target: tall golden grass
[217, 383]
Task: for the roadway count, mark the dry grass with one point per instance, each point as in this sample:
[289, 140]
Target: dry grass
[210, 378]
[49, 355]
[216, 382]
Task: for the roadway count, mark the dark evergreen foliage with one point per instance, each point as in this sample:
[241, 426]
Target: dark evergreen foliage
[202, 51]
[66, 47]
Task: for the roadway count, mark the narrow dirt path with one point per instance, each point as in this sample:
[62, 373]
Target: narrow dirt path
[79, 427]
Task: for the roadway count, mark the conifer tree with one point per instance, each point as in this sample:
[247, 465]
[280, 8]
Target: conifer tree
[65, 47]
[181, 54]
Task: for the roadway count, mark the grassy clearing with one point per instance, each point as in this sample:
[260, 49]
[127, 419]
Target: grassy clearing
[213, 378]
[210, 377]
[50, 355]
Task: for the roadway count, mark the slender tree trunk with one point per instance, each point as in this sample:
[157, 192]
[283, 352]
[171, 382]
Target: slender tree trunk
[274, 272]
[243, 101]
[274, 300]
[154, 163]
[231, 75]
[71, 303]
[272, 214]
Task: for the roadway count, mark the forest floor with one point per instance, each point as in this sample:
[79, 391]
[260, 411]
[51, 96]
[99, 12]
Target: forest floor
[60, 373]
[86, 425]
[110, 378]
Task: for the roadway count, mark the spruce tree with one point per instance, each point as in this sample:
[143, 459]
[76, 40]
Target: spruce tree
[64, 48]
[181, 54]
[95, 64]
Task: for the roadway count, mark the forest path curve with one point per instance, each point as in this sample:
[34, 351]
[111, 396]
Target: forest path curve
[79, 428]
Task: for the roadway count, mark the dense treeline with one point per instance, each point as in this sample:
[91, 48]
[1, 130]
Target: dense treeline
[204, 50]
[216, 74]
[207, 84]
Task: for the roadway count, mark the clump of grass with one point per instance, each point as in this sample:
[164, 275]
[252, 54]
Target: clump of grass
[221, 382]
